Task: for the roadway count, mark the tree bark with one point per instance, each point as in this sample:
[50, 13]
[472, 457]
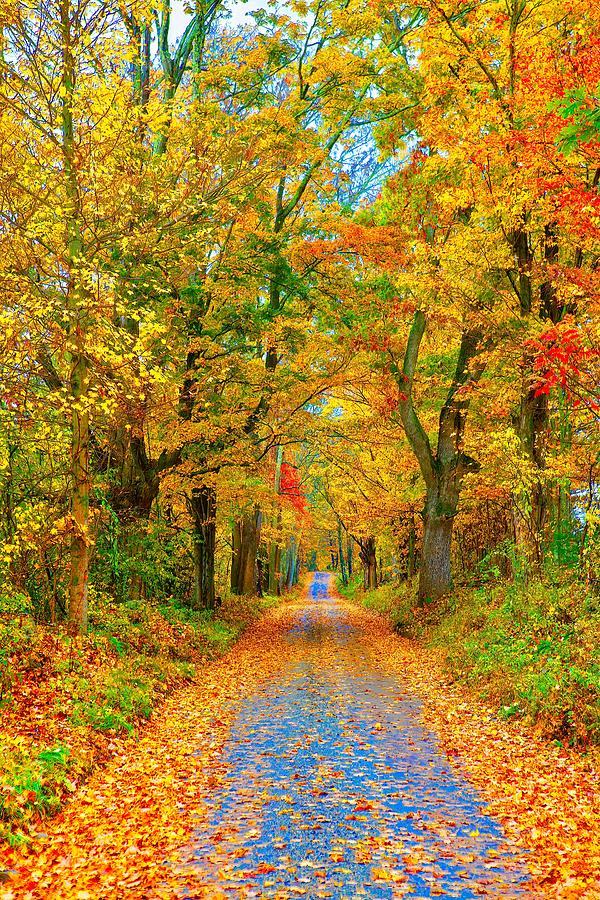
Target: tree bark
[275, 569]
[236, 557]
[343, 571]
[443, 470]
[291, 577]
[246, 538]
[412, 541]
[78, 312]
[203, 507]
[368, 557]
[435, 576]
[531, 421]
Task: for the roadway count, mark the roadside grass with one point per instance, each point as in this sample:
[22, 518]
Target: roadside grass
[394, 601]
[531, 652]
[65, 705]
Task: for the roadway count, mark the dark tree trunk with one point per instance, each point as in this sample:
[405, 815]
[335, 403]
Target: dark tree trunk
[368, 557]
[203, 507]
[341, 555]
[532, 419]
[435, 576]
[443, 471]
[275, 569]
[349, 552]
[333, 554]
[236, 557]
[291, 576]
[529, 511]
[412, 542]
[246, 538]
[136, 484]
[260, 575]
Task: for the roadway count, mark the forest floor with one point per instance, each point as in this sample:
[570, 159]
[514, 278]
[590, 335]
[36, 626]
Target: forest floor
[323, 756]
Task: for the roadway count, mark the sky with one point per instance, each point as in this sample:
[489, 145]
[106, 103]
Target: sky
[238, 9]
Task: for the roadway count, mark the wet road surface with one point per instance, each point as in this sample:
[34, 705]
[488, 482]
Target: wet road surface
[332, 787]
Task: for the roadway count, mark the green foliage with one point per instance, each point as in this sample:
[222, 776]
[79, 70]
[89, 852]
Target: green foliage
[583, 111]
[391, 600]
[30, 784]
[100, 686]
[157, 559]
[115, 700]
[353, 589]
[531, 651]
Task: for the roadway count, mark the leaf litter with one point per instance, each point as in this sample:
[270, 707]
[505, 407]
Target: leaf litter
[324, 756]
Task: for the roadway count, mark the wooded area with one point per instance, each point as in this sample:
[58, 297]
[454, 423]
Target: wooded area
[317, 287]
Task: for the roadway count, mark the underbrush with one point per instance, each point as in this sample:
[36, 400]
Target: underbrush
[65, 703]
[394, 601]
[531, 652]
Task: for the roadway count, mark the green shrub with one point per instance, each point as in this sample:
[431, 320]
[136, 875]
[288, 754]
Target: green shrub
[394, 601]
[31, 783]
[115, 701]
[532, 651]
[108, 681]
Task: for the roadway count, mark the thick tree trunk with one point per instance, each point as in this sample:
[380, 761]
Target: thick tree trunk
[274, 586]
[368, 557]
[349, 552]
[203, 506]
[412, 543]
[246, 538]
[532, 420]
[435, 577]
[236, 557]
[250, 542]
[333, 554]
[443, 471]
[292, 563]
[529, 512]
[275, 569]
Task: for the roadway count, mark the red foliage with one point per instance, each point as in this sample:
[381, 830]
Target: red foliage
[289, 487]
[560, 359]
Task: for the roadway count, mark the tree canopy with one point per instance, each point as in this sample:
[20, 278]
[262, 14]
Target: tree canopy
[335, 269]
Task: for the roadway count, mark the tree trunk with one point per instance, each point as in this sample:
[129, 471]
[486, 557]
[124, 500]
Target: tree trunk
[80, 501]
[333, 554]
[203, 506]
[368, 557]
[274, 586]
[79, 305]
[412, 541]
[349, 551]
[246, 538]
[236, 557]
[275, 569]
[435, 578]
[530, 511]
[443, 470]
[291, 564]
[341, 554]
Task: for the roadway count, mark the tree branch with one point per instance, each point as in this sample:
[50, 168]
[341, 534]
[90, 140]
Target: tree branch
[414, 431]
